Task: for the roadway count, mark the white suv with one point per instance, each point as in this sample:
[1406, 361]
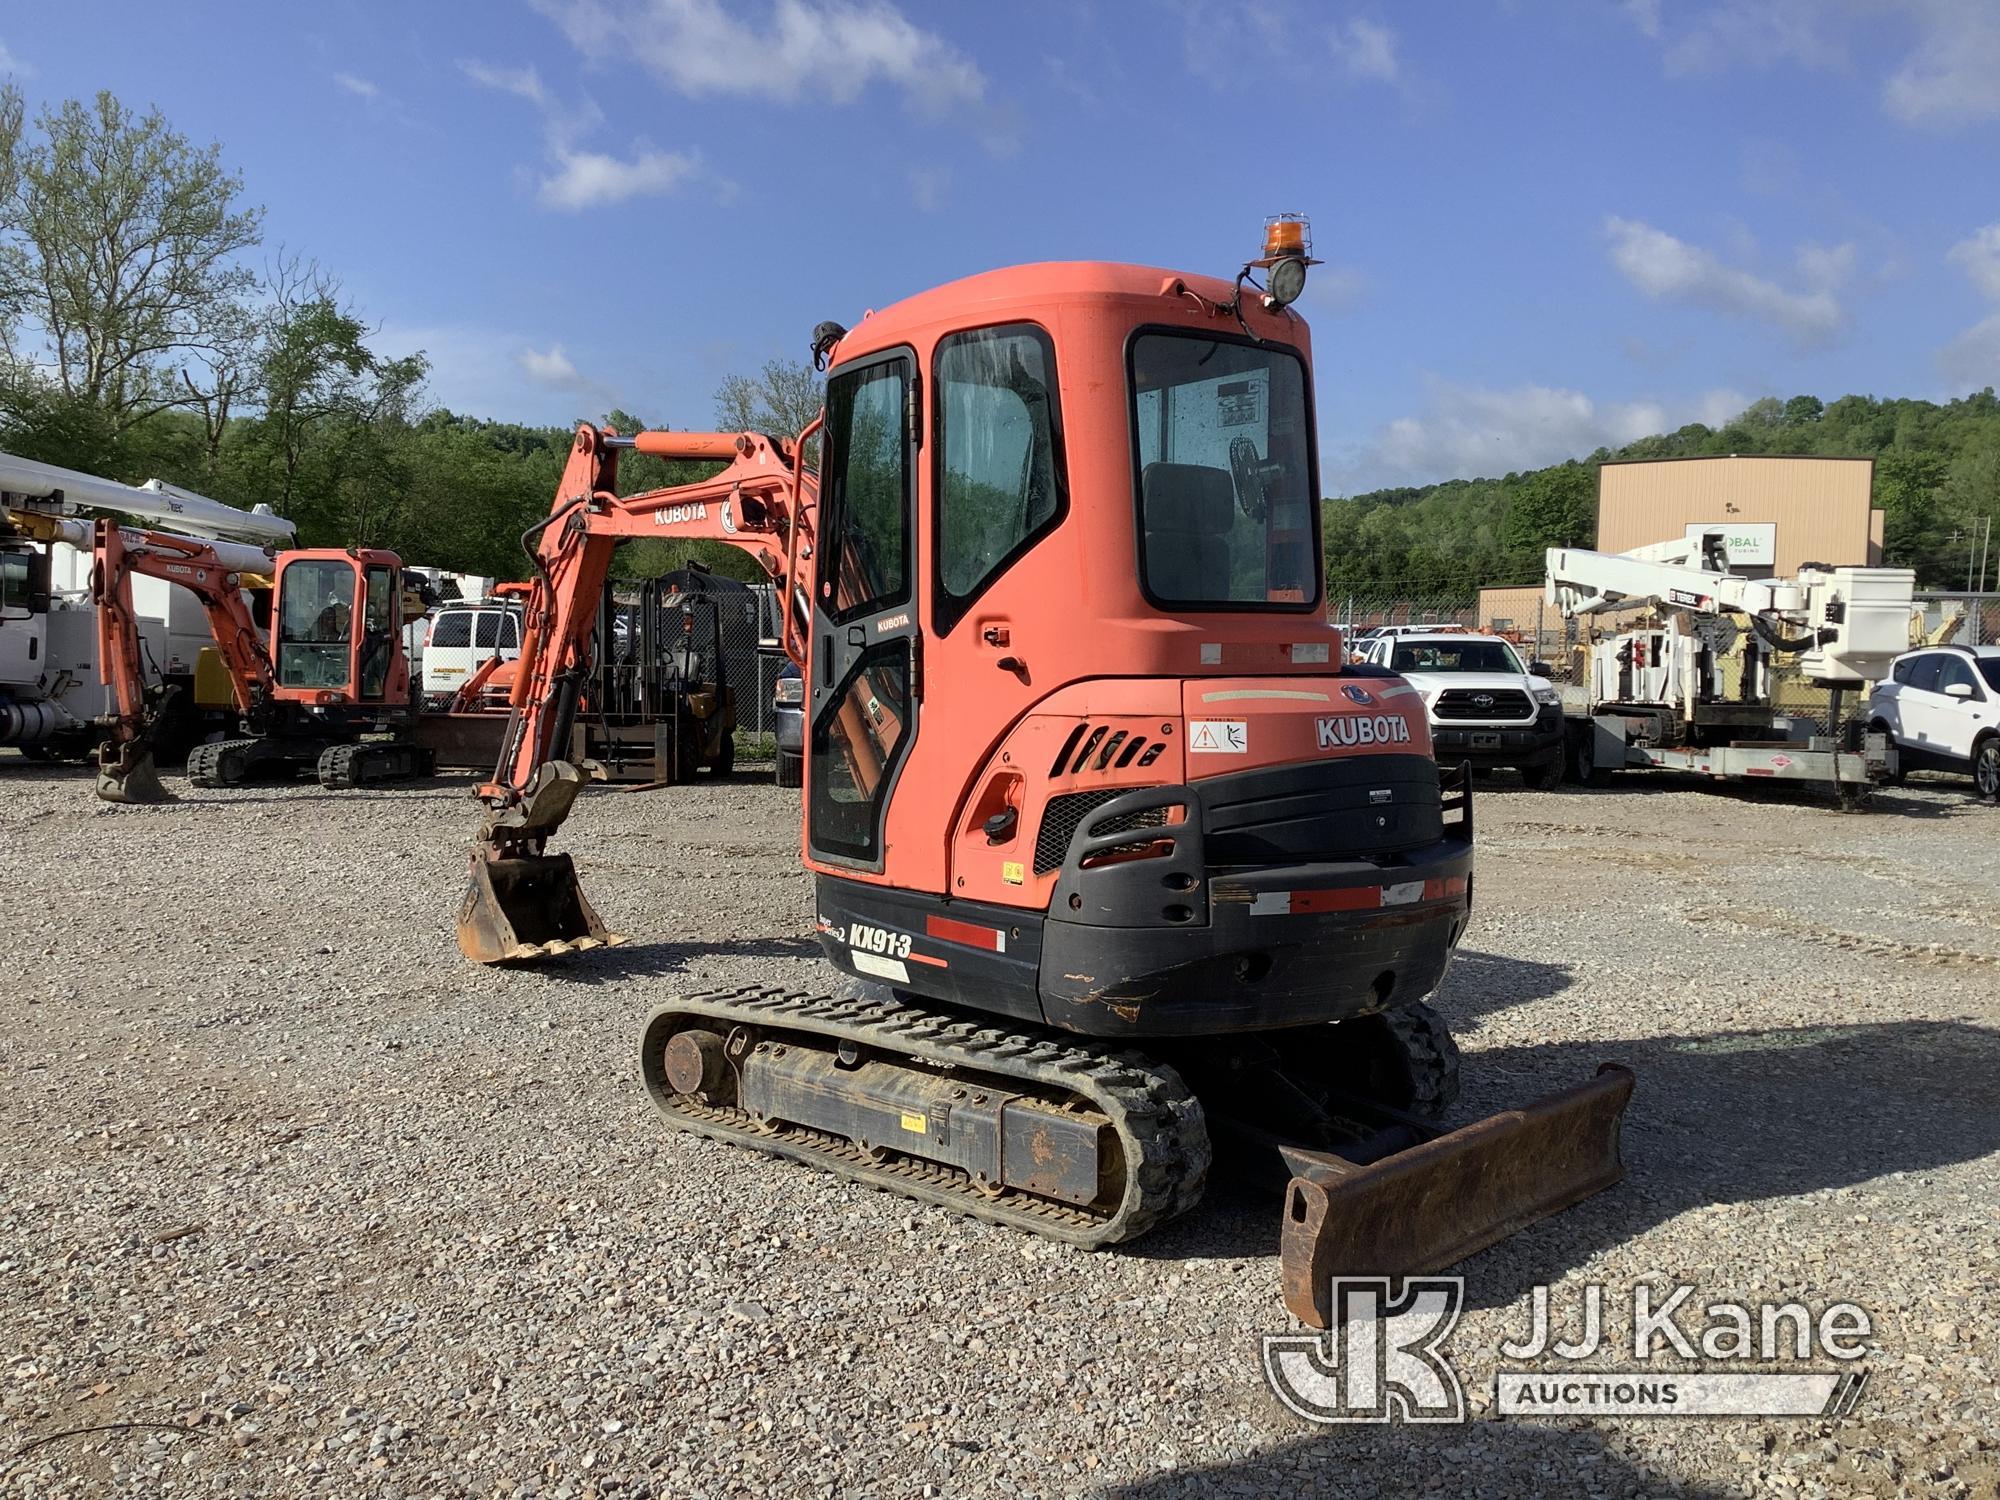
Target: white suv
[1942, 707]
[1485, 704]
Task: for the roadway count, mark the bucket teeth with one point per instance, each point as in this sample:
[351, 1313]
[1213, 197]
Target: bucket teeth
[523, 907]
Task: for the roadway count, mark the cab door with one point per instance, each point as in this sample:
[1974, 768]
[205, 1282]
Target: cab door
[864, 667]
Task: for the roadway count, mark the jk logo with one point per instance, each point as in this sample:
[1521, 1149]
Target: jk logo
[1381, 1360]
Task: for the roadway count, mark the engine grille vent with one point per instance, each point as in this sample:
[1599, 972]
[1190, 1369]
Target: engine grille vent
[1065, 814]
[1099, 747]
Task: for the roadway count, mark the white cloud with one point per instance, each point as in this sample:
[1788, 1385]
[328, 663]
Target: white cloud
[1367, 49]
[1948, 75]
[1759, 34]
[548, 367]
[1644, 14]
[1973, 358]
[353, 85]
[525, 83]
[10, 64]
[1669, 269]
[553, 370]
[1953, 74]
[799, 50]
[588, 179]
[927, 188]
[574, 178]
[1978, 255]
[1334, 289]
[1470, 432]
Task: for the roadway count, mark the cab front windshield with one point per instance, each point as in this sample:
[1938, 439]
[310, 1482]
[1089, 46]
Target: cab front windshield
[1482, 655]
[1226, 486]
[316, 624]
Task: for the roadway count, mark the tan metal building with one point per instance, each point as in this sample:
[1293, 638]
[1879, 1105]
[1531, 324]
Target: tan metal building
[1780, 513]
[1788, 511]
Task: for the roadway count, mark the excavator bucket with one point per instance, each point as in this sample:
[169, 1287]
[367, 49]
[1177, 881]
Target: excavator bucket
[1433, 1204]
[527, 906]
[125, 773]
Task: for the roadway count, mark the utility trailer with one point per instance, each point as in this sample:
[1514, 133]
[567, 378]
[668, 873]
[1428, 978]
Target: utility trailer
[1621, 738]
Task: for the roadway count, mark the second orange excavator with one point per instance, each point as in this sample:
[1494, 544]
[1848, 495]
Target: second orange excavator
[330, 691]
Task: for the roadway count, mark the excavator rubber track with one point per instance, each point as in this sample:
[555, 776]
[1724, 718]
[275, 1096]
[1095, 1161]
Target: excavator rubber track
[373, 762]
[1049, 1108]
[227, 762]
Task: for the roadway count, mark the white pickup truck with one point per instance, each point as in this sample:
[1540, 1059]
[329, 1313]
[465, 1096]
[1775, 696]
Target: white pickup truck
[1486, 705]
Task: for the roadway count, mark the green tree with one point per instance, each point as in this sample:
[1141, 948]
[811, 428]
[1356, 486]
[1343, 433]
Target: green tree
[1554, 507]
[781, 402]
[122, 252]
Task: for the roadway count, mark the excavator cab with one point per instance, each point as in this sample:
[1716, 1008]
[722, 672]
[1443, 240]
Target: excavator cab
[339, 635]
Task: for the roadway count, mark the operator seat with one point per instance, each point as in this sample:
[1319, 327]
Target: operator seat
[1189, 508]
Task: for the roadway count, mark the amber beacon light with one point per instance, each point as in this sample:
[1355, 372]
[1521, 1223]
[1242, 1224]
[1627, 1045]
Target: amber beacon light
[1287, 253]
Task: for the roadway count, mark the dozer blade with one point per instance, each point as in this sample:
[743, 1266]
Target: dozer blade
[527, 906]
[125, 773]
[1433, 1204]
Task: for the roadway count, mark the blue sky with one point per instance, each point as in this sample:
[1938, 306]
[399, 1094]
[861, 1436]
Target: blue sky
[1546, 225]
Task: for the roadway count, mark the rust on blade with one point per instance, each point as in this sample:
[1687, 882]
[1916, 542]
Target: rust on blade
[1433, 1204]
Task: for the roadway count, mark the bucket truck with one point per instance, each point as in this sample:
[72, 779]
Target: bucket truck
[50, 693]
[1692, 690]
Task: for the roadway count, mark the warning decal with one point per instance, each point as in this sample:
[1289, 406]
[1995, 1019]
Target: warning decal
[1218, 736]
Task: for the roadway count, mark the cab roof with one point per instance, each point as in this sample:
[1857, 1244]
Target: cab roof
[1018, 292]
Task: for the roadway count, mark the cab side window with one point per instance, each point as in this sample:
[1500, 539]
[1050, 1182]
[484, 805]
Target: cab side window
[1000, 482]
[1924, 673]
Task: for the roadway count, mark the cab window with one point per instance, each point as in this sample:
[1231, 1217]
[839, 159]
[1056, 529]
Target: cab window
[1000, 482]
[315, 624]
[453, 629]
[378, 631]
[1228, 506]
[865, 507]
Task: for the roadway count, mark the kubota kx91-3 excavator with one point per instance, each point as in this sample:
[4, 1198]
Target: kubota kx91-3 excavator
[331, 690]
[1119, 849]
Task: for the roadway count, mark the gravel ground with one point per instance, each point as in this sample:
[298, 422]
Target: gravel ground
[344, 1215]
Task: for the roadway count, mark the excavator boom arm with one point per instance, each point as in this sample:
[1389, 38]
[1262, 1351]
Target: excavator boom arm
[755, 503]
[213, 572]
[524, 903]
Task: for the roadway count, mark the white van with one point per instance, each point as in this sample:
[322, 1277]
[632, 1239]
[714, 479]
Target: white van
[462, 637]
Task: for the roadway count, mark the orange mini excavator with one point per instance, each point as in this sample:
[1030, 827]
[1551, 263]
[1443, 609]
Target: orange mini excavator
[330, 691]
[1117, 850]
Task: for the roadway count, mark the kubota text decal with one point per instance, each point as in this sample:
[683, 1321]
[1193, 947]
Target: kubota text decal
[1347, 730]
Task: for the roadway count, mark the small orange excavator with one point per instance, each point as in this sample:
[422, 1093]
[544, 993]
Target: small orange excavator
[331, 690]
[1118, 851]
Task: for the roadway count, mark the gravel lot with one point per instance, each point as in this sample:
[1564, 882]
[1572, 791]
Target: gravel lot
[349, 1216]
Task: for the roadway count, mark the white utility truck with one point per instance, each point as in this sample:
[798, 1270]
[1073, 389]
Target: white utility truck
[1691, 689]
[49, 687]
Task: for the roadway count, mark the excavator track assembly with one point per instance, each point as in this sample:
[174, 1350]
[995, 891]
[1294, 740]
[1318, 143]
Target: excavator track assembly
[232, 762]
[1071, 1141]
[373, 762]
